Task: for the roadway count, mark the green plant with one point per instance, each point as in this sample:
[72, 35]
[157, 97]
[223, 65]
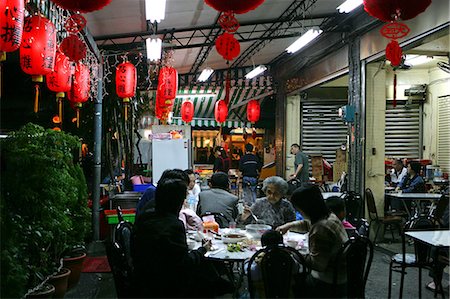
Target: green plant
[43, 205]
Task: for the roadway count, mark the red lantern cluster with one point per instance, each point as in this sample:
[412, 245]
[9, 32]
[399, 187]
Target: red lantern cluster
[166, 92]
[391, 10]
[236, 6]
[74, 48]
[220, 111]
[187, 111]
[228, 46]
[82, 5]
[253, 111]
[38, 48]
[11, 24]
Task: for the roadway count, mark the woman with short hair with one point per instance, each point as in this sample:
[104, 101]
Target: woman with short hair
[273, 209]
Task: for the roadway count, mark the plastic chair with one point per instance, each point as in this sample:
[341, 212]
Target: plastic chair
[420, 259]
[373, 216]
[119, 257]
[277, 267]
[220, 218]
[357, 253]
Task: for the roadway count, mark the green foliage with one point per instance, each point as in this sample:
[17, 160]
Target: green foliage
[43, 205]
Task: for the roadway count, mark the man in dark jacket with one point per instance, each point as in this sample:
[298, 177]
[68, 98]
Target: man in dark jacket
[163, 265]
[250, 167]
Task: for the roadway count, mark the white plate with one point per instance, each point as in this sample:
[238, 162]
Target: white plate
[236, 238]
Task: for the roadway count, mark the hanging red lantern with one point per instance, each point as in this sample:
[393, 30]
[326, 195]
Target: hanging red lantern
[74, 48]
[228, 46]
[75, 23]
[220, 111]
[126, 83]
[11, 24]
[82, 5]
[253, 111]
[394, 53]
[60, 80]
[391, 10]
[79, 93]
[38, 50]
[187, 111]
[237, 6]
[168, 83]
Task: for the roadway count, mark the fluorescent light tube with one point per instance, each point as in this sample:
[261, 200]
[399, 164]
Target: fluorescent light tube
[206, 73]
[153, 46]
[195, 95]
[155, 10]
[303, 40]
[349, 5]
[417, 59]
[256, 71]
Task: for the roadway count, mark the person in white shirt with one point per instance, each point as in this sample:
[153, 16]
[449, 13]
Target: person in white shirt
[398, 172]
[193, 190]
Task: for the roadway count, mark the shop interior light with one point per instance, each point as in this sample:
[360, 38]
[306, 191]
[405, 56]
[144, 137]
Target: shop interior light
[153, 46]
[155, 10]
[256, 71]
[349, 5]
[206, 73]
[303, 40]
[417, 59]
[195, 95]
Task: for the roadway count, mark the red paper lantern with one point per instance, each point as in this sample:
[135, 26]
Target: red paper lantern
[168, 83]
[390, 10]
[79, 93]
[11, 24]
[38, 48]
[237, 6]
[228, 46]
[253, 111]
[126, 80]
[82, 5]
[220, 111]
[60, 80]
[74, 48]
[394, 53]
[187, 111]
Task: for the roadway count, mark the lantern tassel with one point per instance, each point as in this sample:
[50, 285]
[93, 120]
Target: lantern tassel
[78, 117]
[125, 108]
[36, 98]
[394, 100]
[60, 108]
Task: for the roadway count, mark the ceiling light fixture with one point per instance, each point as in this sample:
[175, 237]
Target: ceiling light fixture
[255, 72]
[349, 5]
[195, 95]
[417, 59]
[303, 40]
[155, 10]
[153, 46]
[206, 73]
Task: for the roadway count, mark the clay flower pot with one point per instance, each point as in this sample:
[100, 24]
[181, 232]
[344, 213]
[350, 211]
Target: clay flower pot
[46, 291]
[60, 282]
[75, 264]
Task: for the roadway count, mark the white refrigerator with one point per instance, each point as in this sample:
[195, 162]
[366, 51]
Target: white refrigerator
[169, 154]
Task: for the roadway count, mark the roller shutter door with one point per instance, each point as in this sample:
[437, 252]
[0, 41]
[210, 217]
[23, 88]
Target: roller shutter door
[443, 146]
[403, 130]
[323, 131]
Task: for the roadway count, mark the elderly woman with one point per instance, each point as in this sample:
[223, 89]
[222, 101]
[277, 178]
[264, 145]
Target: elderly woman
[273, 209]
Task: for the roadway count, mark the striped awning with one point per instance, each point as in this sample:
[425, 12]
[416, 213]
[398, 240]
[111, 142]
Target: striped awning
[240, 94]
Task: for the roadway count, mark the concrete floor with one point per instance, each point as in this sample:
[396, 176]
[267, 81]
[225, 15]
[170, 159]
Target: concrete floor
[101, 285]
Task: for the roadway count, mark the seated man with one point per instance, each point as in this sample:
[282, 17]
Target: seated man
[218, 199]
[398, 172]
[411, 183]
[163, 265]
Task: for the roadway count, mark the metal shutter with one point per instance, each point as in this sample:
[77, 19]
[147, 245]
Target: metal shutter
[403, 131]
[443, 146]
[323, 131]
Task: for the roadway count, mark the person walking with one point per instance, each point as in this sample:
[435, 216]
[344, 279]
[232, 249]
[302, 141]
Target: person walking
[250, 167]
[301, 164]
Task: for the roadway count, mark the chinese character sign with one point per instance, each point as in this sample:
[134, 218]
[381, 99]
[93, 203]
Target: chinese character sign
[38, 48]
[126, 80]
[11, 24]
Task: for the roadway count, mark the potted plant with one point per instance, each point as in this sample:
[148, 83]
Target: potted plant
[40, 186]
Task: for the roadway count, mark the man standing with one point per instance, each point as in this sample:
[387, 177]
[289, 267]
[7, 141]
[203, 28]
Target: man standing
[301, 164]
[250, 166]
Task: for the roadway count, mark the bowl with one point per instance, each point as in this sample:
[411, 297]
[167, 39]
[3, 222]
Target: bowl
[233, 237]
[257, 230]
